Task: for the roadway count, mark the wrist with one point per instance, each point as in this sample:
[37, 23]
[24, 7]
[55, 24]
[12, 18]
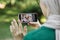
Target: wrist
[18, 37]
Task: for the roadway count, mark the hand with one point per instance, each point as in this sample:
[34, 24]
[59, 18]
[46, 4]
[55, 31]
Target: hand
[17, 31]
[35, 24]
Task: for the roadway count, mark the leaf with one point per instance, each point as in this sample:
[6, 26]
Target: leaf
[13, 2]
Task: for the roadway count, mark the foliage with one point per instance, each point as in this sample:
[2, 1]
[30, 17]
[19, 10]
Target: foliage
[14, 7]
[21, 5]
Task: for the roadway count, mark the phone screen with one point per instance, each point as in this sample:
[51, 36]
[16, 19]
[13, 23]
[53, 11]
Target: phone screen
[28, 17]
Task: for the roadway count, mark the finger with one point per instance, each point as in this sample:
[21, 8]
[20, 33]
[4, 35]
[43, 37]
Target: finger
[20, 25]
[11, 29]
[20, 20]
[12, 24]
[25, 30]
[37, 20]
[15, 24]
[14, 29]
[32, 22]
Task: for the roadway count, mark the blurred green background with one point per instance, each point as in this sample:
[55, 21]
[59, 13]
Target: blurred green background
[10, 9]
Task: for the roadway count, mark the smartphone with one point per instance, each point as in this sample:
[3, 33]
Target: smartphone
[27, 17]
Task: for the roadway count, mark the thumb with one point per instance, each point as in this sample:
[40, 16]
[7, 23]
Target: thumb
[38, 22]
[34, 23]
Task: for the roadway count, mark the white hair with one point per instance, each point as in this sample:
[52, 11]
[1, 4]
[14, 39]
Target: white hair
[53, 6]
[53, 15]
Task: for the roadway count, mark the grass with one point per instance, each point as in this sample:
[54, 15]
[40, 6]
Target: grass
[5, 20]
[5, 31]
